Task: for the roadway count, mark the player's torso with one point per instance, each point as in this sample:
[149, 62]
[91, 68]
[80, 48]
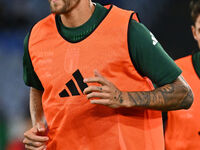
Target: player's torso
[74, 123]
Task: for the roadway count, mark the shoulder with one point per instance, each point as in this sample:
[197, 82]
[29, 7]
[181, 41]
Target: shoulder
[42, 29]
[44, 23]
[121, 15]
[140, 36]
[45, 20]
[120, 11]
[138, 28]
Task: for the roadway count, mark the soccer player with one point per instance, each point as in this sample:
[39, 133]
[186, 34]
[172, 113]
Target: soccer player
[89, 67]
[183, 126]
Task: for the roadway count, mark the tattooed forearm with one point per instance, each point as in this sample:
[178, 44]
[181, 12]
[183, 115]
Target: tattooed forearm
[132, 99]
[176, 95]
[188, 99]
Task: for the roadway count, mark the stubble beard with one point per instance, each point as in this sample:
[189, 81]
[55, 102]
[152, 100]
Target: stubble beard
[64, 9]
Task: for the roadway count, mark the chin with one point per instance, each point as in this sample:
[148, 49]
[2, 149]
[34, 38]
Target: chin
[58, 11]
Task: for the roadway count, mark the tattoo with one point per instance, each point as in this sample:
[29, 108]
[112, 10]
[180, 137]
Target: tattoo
[119, 97]
[142, 99]
[132, 99]
[185, 101]
[100, 89]
[115, 94]
[166, 91]
[172, 96]
[188, 99]
[147, 96]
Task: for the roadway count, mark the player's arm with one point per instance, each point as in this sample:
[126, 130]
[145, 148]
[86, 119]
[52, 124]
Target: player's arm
[31, 79]
[173, 96]
[34, 138]
[36, 109]
[150, 59]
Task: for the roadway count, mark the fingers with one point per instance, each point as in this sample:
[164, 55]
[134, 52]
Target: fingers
[26, 141]
[105, 102]
[29, 147]
[98, 95]
[96, 89]
[101, 101]
[33, 141]
[97, 74]
[99, 80]
[32, 136]
[37, 138]
[106, 93]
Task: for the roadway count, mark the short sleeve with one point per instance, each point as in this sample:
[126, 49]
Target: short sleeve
[30, 77]
[148, 56]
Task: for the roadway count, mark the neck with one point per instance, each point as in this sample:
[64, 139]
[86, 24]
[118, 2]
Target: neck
[79, 14]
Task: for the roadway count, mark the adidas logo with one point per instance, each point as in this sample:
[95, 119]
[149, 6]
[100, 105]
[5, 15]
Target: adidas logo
[72, 87]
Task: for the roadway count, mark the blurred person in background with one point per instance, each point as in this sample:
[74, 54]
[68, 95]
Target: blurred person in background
[183, 126]
[62, 53]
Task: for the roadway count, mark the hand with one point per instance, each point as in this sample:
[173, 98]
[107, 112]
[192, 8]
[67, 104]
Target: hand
[108, 93]
[34, 139]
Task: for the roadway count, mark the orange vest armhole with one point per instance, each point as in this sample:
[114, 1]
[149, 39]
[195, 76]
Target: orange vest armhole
[135, 17]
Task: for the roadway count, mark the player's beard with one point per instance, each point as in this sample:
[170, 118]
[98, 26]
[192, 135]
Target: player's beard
[63, 7]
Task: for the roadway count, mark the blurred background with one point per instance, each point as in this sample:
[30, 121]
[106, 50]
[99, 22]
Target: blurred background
[169, 21]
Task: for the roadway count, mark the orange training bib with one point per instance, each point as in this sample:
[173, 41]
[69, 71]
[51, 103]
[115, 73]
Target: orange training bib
[74, 123]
